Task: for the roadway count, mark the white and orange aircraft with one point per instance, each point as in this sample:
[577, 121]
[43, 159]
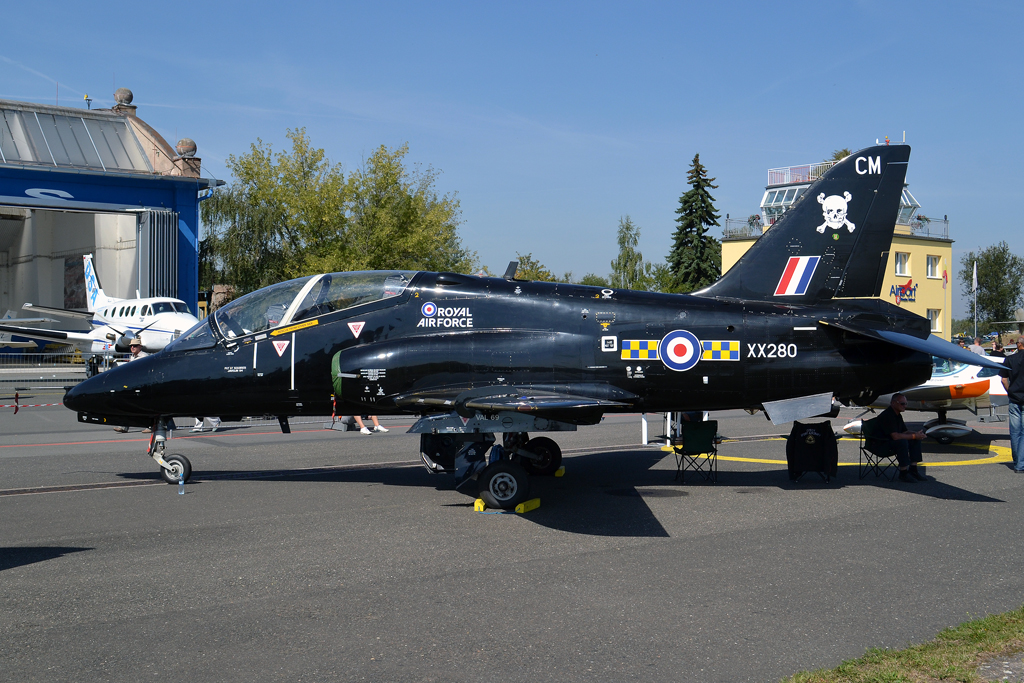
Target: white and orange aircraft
[953, 386]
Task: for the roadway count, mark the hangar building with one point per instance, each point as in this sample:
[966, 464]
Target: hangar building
[100, 181]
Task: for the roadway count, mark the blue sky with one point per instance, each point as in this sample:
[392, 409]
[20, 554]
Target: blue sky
[552, 120]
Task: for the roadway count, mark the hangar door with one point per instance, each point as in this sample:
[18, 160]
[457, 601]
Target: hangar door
[157, 253]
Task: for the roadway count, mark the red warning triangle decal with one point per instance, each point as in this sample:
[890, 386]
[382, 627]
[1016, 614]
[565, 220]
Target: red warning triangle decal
[280, 346]
[356, 328]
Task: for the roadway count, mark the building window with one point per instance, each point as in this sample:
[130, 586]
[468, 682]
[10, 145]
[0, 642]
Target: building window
[902, 263]
[934, 319]
[933, 267]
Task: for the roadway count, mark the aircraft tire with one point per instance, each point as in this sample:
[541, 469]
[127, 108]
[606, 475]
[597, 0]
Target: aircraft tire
[179, 463]
[550, 453]
[944, 440]
[503, 485]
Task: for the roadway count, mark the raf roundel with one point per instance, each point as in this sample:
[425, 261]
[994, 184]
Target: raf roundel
[429, 309]
[679, 350]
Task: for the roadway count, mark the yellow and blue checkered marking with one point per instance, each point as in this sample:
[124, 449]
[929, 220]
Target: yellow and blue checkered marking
[720, 350]
[639, 349]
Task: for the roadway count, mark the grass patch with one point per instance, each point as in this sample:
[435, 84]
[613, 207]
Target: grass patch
[954, 655]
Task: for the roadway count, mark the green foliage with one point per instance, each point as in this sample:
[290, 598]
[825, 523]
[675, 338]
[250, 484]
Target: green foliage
[696, 257]
[840, 154]
[531, 269]
[294, 213]
[962, 326]
[594, 280]
[397, 220]
[629, 270]
[1000, 279]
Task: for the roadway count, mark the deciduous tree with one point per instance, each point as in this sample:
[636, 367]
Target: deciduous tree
[532, 269]
[294, 213]
[1000, 278]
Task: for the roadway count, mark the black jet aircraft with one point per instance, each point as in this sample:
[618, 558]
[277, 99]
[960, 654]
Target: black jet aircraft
[786, 329]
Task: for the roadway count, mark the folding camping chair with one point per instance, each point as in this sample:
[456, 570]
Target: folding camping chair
[696, 450]
[877, 452]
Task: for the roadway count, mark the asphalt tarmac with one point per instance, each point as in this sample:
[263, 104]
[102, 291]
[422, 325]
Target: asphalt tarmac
[330, 556]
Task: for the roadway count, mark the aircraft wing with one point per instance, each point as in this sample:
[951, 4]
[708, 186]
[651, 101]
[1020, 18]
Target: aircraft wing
[931, 344]
[66, 312]
[546, 404]
[541, 403]
[49, 335]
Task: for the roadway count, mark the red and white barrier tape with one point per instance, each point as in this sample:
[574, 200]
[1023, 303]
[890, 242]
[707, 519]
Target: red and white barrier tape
[17, 405]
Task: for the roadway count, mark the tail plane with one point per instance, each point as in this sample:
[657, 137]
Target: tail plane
[94, 295]
[833, 242]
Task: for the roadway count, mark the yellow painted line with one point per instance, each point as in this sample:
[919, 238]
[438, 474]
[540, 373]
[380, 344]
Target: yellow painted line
[1000, 454]
[292, 328]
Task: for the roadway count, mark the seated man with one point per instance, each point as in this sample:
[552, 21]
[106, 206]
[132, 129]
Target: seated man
[893, 432]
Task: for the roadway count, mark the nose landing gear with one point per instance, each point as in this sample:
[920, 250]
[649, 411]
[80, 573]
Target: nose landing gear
[174, 467]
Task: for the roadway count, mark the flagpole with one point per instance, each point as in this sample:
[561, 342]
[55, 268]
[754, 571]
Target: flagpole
[975, 284]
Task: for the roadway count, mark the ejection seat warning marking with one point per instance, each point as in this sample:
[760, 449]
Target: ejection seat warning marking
[292, 328]
[280, 347]
[356, 328]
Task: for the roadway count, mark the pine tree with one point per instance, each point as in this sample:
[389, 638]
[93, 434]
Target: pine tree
[696, 257]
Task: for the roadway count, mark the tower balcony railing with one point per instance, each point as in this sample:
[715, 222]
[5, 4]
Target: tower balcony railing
[922, 226]
[736, 228]
[806, 173]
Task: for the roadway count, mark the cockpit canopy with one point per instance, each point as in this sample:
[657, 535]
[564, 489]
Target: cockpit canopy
[307, 297]
[941, 367]
[296, 300]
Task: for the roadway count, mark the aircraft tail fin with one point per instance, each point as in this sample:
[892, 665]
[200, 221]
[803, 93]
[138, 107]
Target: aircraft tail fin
[833, 242]
[94, 296]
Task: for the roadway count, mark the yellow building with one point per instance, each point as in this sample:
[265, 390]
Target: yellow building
[920, 269]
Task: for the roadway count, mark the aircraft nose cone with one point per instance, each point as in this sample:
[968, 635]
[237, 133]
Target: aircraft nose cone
[86, 396]
[108, 393]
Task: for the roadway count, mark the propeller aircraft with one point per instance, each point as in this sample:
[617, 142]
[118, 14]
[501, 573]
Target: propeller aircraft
[155, 320]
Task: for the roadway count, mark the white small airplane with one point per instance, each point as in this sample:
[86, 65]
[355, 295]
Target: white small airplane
[952, 386]
[155, 320]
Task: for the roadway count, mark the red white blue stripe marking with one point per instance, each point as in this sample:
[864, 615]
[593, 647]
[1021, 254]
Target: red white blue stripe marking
[797, 275]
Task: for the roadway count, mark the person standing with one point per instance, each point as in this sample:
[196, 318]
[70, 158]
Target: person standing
[977, 348]
[363, 429]
[135, 346]
[201, 424]
[1013, 380]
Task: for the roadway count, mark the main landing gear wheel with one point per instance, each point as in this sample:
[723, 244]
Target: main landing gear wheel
[944, 440]
[550, 456]
[504, 485]
[179, 466]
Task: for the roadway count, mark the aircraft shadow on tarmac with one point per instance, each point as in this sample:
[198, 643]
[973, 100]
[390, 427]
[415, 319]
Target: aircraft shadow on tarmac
[603, 494]
[20, 556]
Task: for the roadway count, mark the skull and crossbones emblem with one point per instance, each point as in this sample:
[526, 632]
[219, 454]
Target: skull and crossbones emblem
[833, 210]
